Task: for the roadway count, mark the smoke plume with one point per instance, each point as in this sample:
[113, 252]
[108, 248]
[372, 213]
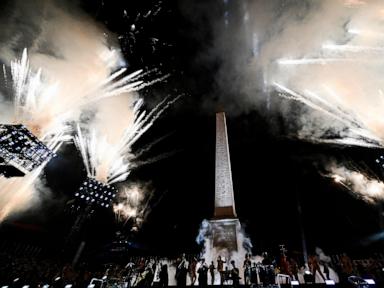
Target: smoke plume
[210, 253]
[358, 183]
[325, 51]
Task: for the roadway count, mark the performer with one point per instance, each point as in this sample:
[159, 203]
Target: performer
[181, 271]
[163, 276]
[145, 278]
[247, 269]
[294, 269]
[315, 267]
[267, 273]
[220, 269]
[346, 267]
[203, 273]
[130, 272]
[254, 272]
[141, 265]
[324, 260]
[235, 274]
[212, 272]
[192, 271]
[226, 275]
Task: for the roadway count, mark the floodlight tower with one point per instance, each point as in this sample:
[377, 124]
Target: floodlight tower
[91, 195]
[20, 151]
[94, 193]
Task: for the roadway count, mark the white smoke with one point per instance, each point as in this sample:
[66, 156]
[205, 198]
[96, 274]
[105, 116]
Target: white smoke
[360, 184]
[327, 48]
[211, 253]
[74, 57]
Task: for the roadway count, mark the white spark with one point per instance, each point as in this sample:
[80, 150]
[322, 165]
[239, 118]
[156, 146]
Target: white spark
[364, 136]
[353, 48]
[131, 203]
[309, 61]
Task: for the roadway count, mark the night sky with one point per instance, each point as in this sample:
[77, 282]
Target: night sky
[272, 171]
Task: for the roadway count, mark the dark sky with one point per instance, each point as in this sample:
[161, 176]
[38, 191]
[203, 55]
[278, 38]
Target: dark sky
[271, 171]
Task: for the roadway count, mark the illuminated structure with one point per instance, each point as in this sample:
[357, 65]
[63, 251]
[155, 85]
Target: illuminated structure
[225, 225]
[91, 195]
[94, 193]
[20, 151]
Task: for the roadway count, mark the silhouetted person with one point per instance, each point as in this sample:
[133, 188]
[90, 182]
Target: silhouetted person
[192, 271]
[181, 272]
[212, 272]
[254, 274]
[247, 269]
[203, 273]
[266, 259]
[294, 269]
[163, 276]
[226, 275]
[220, 269]
[235, 274]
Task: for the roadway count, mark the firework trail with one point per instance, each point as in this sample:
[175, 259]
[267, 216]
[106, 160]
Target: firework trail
[149, 146]
[39, 106]
[111, 161]
[340, 78]
[359, 183]
[31, 100]
[358, 134]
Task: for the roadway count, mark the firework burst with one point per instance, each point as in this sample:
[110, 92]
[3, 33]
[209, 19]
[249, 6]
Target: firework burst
[111, 161]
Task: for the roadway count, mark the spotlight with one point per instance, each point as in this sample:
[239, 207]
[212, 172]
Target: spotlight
[295, 283]
[370, 281]
[57, 279]
[95, 192]
[25, 286]
[329, 282]
[358, 281]
[68, 286]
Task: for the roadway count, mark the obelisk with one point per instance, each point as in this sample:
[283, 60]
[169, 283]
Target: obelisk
[225, 225]
[224, 198]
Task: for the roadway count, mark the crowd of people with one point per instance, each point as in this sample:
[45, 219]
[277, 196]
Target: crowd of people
[187, 270]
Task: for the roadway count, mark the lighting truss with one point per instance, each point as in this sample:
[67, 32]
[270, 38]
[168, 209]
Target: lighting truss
[20, 149]
[95, 193]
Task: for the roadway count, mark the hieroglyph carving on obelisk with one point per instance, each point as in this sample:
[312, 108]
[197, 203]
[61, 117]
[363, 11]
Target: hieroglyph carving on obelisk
[224, 198]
